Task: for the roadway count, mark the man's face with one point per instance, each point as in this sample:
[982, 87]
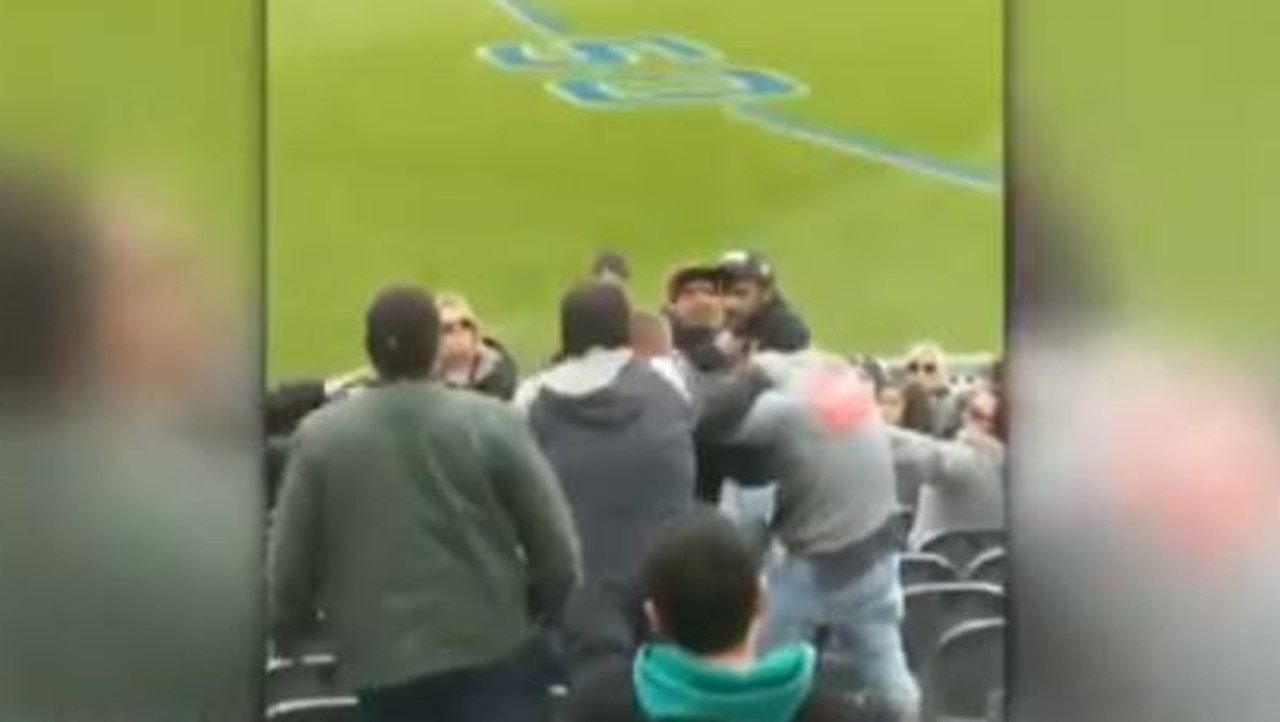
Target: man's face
[743, 302]
[458, 338]
[699, 303]
[926, 369]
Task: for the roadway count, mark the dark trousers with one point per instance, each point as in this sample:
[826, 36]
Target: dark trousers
[511, 690]
[603, 626]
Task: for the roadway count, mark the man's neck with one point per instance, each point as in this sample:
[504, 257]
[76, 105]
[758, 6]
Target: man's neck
[739, 659]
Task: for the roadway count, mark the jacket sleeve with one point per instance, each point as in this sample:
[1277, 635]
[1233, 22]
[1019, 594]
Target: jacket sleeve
[530, 493]
[295, 546]
[783, 330]
[501, 382]
[724, 400]
[286, 405]
[768, 419]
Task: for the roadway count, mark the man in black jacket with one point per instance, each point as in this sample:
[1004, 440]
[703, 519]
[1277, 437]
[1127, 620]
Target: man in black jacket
[759, 318]
[705, 600]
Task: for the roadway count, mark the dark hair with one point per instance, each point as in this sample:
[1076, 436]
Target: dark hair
[613, 263]
[918, 408]
[594, 315]
[49, 267]
[402, 333]
[702, 578]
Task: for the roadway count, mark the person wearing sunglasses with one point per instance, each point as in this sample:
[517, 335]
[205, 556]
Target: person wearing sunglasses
[468, 358]
[927, 367]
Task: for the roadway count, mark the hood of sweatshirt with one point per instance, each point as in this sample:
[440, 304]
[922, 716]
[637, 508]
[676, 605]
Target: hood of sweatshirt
[583, 390]
[672, 684]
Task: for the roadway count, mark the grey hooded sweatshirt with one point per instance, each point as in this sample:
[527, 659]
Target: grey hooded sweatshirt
[960, 483]
[828, 449]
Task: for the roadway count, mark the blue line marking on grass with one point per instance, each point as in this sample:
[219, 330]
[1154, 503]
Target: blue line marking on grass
[527, 12]
[857, 145]
[867, 148]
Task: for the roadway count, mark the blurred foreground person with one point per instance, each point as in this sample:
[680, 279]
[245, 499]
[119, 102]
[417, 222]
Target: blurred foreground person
[705, 600]
[426, 526]
[818, 434]
[468, 358]
[130, 510]
[1146, 518]
[619, 434]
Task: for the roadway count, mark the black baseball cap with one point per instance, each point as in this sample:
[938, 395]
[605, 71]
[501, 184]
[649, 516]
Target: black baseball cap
[402, 332]
[740, 265]
[685, 275]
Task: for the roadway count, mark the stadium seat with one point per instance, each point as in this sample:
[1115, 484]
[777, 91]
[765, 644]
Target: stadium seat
[918, 568]
[991, 566]
[965, 680]
[933, 609]
[321, 709]
[960, 547]
[307, 677]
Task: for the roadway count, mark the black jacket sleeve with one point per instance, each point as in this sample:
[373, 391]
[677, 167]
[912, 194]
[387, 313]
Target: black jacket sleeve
[290, 402]
[500, 383]
[781, 329]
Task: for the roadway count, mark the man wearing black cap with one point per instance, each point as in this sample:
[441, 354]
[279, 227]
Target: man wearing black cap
[696, 311]
[759, 318]
[430, 531]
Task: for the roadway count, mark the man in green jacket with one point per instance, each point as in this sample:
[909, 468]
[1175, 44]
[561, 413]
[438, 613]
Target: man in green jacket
[430, 532]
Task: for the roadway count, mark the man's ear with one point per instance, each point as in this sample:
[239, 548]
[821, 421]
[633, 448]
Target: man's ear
[653, 618]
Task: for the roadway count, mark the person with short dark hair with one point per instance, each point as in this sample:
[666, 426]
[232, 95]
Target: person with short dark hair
[758, 315]
[611, 267]
[430, 531]
[705, 601]
[619, 433]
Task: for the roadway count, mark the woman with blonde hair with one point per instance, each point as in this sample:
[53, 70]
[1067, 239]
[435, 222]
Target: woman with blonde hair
[468, 358]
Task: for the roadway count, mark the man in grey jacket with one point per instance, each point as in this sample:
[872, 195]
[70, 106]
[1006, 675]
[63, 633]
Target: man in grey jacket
[828, 450]
[430, 531]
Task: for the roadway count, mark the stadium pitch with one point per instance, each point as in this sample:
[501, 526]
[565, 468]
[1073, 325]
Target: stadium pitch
[492, 146]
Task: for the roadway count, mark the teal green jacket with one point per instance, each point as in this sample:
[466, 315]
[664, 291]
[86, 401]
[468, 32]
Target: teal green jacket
[426, 527]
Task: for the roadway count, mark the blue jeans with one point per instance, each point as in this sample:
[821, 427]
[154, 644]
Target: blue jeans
[509, 690]
[862, 617]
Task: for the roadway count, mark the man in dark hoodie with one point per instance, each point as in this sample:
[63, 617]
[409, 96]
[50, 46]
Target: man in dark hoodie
[619, 433]
[430, 531]
[759, 318]
[704, 599]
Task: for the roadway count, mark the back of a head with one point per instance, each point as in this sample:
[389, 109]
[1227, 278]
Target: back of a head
[703, 579]
[47, 270]
[594, 315]
[402, 333]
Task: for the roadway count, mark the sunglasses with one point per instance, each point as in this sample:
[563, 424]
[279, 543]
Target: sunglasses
[465, 324]
[927, 367]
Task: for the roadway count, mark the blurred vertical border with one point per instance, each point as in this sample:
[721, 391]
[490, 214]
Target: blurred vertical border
[1142, 282]
[132, 231]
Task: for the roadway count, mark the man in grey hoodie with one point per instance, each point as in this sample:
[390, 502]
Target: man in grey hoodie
[619, 433]
[829, 452]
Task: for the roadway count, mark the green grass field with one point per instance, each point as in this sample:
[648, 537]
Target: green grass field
[396, 153]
